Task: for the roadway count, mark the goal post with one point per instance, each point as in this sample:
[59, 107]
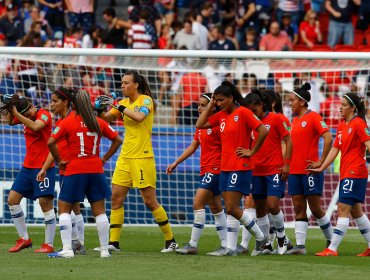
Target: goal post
[176, 79]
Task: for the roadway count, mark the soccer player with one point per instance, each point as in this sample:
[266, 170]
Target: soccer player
[84, 173]
[351, 140]
[37, 125]
[307, 128]
[271, 168]
[61, 100]
[135, 166]
[208, 191]
[236, 123]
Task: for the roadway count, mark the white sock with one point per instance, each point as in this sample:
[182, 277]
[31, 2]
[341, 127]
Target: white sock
[102, 224]
[246, 235]
[264, 225]
[81, 228]
[19, 221]
[339, 232]
[65, 226]
[221, 227]
[50, 225]
[248, 222]
[301, 232]
[272, 231]
[198, 225]
[278, 221]
[74, 227]
[325, 226]
[232, 232]
[363, 225]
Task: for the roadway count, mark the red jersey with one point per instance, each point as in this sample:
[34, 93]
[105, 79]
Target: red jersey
[62, 147]
[285, 120]
[236, 129]
[37, 141]
[349, 140]
[83, 145]
[72, 42]
[210, 144]
[306, 132]
[269, 159]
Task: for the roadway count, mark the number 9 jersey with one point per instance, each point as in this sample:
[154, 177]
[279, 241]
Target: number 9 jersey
[83, 144]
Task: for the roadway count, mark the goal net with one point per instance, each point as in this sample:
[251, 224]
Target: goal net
[177, 79]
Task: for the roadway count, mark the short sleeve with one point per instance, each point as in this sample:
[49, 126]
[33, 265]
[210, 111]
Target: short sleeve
[362, 131]
[107, 130]
[214, 120]
[196, 135]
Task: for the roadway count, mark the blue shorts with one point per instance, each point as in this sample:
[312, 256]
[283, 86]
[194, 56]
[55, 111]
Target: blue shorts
[269, 185]
[26, 184]
[211, 182]
[352, 190]
[75, 187]
[305, 184]
[236, 181]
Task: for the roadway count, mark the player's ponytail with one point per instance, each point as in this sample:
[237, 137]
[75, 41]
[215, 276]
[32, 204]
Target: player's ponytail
[84, 108]
[355, 101]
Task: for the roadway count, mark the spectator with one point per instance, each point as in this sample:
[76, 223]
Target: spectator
[115, 28]
[205, 15]
[74, 40]
[290, 6]
[221, 43]
[275, 40]
[245, 17]
[247, 84]
[251, 42]
[12, 26]
[80, 13]
[230, 34]
[54, 13]
[166, 10]
[165, 40]
[142, 34]
[35, 17]
[199, 29]
[340, 23]
[289, 27]
[329, 110]
[309, 30]
[91, 87]
[154, 17]
[227, 12]
[363, 21]
[214, 73]
[317, 5]
[186, 37]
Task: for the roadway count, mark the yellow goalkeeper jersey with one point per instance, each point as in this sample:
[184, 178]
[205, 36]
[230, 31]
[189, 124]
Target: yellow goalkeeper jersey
[137, 141]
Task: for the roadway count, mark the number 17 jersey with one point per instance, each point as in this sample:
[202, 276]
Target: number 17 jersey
[83, 144]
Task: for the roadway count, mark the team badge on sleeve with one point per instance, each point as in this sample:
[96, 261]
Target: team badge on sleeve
[56, 130]
[323, 124]
[44, 117]
[285, 126]
[367, 131]
[147, 101]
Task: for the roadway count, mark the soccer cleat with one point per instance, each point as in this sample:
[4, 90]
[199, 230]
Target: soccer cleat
[105, 253]
[20, 245]
[76, 245]
[223, 252]
[258, 248]
[45, 248]
[268, 250]
[170, 246]
[218, 252]
[240, 249]
[365, 254]
[296, 251]
[327, 253]
[82, 250]
[62, 254]
[187, 250]
[113, 246]
[282, 247]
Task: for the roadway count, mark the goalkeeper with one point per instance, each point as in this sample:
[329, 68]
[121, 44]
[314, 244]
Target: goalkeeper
[135, 166]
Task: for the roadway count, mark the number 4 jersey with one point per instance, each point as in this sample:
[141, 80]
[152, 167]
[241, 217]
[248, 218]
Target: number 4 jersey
[83, 144]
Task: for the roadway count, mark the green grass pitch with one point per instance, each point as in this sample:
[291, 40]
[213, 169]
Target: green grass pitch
[140, 258]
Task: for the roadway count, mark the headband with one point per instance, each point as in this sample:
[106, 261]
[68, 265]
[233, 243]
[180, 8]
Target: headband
[299, 96]
[62, 93]
[25, 109]
[350, 100]
[206, 96]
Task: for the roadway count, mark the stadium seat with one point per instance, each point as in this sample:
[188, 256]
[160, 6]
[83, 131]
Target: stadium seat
[359, 38]
[367, 37]
[300, 48]
[322, 48]
[345, 48]
[364, 48]
[324, 21]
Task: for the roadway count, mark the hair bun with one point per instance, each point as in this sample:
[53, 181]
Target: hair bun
[306, 86]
